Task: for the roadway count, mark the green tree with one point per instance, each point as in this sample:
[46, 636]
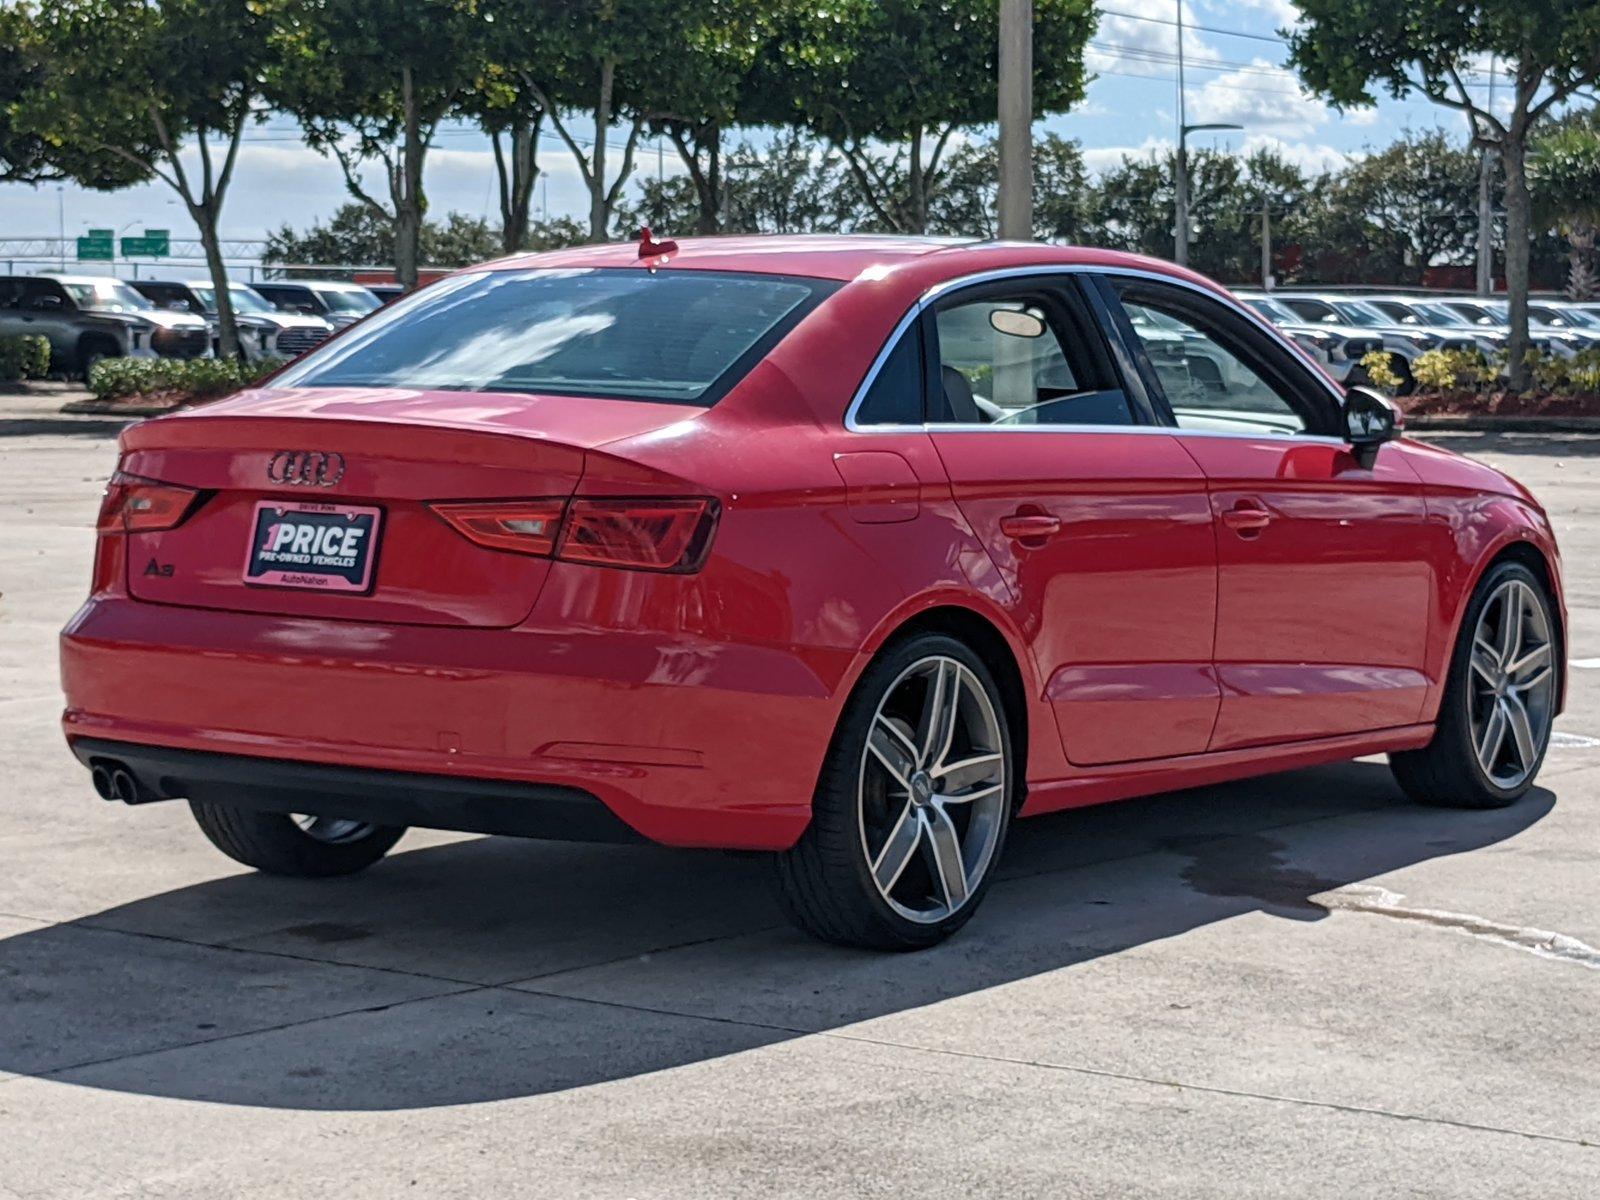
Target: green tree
[501, 104]
[1564, 166]
[888, 83]
[601, 61]
[1416, 203]
[141, 80]
[369, 81]
[966, 203]
[356, 236]
[1345, 48]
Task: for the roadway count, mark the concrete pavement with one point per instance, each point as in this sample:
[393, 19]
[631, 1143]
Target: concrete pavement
[1297, 986]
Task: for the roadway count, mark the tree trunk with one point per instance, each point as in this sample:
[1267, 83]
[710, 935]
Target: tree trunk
[205, 217]
[1513, 152]
[599, 210]
[517, 177]
[1581, 280]
[407, 190]
[917, 193]
[710, 186]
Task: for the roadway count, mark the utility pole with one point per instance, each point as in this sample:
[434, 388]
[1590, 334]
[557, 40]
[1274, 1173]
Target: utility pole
[1486, 204]
[1180, 185]
[1016, 119]
[1266, 242]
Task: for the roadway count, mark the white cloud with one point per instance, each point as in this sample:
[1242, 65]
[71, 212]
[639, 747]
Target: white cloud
[1263, 98]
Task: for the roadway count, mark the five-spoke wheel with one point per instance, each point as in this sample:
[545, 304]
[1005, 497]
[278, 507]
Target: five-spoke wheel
[1500, 699]
[913, 804]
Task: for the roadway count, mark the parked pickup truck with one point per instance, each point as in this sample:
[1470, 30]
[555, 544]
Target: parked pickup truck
[264, 331]
[90, 317]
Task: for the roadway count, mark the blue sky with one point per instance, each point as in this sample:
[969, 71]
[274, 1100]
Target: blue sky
[1234, 67]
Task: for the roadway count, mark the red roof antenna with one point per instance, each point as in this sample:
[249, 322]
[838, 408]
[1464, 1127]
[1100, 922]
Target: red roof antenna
[650, 248]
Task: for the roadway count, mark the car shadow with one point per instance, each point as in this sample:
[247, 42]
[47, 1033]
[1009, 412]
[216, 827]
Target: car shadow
[485, 969]
[68, 426]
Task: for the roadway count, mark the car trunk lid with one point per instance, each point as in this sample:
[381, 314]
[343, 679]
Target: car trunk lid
[272, 455]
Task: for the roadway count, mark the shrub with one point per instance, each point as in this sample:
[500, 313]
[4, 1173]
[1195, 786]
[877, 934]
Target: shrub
[26, 356]
[196, 378]
[1380, 370]
[1448, 370]
[1583, 372]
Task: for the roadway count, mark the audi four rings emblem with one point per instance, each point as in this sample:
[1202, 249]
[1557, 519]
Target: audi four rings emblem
[306, 468]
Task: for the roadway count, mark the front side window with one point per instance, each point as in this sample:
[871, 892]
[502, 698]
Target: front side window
[1212, 378]
[674, 337]
[340, 301]
[1020, 359]
[1312, 310]
[107, 295]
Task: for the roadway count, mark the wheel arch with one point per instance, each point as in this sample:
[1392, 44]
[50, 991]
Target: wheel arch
[991, 635]
[1512, 546]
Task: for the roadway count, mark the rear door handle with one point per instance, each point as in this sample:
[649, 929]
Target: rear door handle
[1029, 527]
[1247, 517]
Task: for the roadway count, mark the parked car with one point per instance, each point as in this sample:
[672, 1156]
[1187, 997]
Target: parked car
[387, 293]
[339, 304]
[844, 549]
[264, 331]
[1567, 318]
[1431, 314]
[90, 317]
[1339, 348]
[1403, 341]
[1496, 315]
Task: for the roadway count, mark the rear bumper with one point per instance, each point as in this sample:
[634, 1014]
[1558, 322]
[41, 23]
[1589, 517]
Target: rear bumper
[686, 742]
[384, 797]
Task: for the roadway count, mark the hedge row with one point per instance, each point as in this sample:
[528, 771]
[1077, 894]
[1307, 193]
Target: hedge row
[1471, 371]
[26, 356]
[195, 378]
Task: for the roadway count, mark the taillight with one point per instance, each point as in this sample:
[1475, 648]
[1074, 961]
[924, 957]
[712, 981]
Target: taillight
[524, 526]
[648, 535]
[135, 505]
[643, 535]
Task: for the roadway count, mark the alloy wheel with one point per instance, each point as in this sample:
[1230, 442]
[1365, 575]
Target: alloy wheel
[335, 831]
[1511, 697]
[932, 789]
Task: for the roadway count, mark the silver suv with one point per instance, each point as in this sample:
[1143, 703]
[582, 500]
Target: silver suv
[1339, 348]
[90, 317]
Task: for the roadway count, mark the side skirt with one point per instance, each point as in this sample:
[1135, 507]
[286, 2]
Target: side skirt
[1198, 770]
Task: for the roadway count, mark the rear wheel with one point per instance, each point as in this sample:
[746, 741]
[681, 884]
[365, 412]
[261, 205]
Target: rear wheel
[294, 844]
[1499, 702]
[912, 807]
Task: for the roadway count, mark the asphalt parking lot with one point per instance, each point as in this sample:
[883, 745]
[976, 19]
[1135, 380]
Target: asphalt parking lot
[1300, 986]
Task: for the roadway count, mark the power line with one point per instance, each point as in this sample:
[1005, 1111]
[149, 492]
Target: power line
[1235, 33]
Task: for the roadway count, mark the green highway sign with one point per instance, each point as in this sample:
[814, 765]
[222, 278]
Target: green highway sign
[97, 245]
[156, 243]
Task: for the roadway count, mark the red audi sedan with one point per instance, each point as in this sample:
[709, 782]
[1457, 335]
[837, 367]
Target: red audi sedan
[849, 549]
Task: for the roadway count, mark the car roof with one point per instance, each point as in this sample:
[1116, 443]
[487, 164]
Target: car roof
[846, 257]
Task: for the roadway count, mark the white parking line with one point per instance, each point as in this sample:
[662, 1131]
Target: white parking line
[1588, 664]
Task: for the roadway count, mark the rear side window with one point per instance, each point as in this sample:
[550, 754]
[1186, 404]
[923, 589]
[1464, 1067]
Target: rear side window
[895, 397]
[675, 337]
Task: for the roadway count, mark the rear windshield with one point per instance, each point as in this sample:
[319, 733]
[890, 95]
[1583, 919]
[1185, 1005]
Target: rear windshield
[676, 337]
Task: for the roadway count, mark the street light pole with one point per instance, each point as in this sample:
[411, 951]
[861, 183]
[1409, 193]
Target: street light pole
[1016, 119]
[1180, 186]
[1181, 190]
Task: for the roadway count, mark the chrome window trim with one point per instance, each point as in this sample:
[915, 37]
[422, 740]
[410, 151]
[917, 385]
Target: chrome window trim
[1001, 274]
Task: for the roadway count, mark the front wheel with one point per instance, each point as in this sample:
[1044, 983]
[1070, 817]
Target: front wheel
[1499, 700]
[912, 806]
[292, 843]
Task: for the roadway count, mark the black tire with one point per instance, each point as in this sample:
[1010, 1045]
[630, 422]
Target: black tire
[1446, 772]
[824, 883]
[1402, 368]
[274, 843]
[93, 349]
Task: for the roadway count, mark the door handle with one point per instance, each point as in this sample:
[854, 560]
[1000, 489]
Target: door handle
[1029, 527]
[1247, 518]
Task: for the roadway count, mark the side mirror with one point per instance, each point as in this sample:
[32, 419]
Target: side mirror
[1370, 420]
